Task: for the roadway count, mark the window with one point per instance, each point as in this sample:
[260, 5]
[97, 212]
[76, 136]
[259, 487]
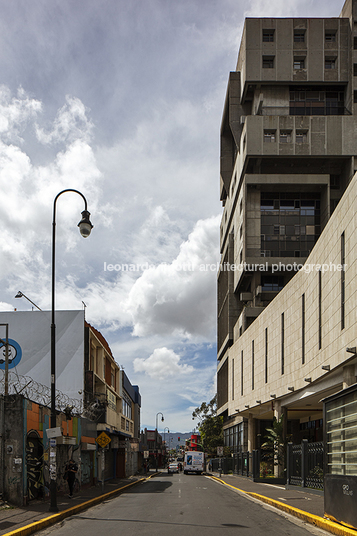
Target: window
[232, 379]
[268, 62]
[355, 69]
[268, 36]
[266, 355]
[269, 136]
[355, 43]
[241, 373]
[343, 274]
[285, 136]
[330, 36]
[318, 100]
[299, 63]
[355, 96]
[252, 365]
[320, 309]
[282, 343]
[330, 63]
[301, 136]
[299, 36]
[303, 329]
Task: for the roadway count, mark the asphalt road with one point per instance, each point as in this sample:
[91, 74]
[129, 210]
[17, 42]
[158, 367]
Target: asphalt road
[182, 505]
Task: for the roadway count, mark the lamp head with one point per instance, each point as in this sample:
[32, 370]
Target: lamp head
[19, 294]
[85, 225]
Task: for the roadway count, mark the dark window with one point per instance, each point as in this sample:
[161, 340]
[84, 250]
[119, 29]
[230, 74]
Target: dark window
[299, 63]
[301, 136]
[272, 283]
[282, 343]
[241, 373]
[266, 355]
[355, 43]
[268, 62]
[330, 36]
[299, 36]
[355, 69]
[355, 96]
[343, 275]
[252, 365]
[303, 328]
[268, 36]
[232, 379]
[330, 63]
[269, 136]
[318, 100]
[285, 136]
[320, 309]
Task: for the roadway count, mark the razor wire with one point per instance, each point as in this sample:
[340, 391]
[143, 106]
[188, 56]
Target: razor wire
[39, 393]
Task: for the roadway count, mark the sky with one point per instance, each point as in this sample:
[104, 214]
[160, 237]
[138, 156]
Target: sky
[122, 100]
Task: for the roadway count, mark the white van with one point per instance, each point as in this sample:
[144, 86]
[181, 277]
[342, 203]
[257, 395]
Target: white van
[194, 462]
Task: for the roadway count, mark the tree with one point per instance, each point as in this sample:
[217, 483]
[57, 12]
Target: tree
[274, 444]
[210, 426]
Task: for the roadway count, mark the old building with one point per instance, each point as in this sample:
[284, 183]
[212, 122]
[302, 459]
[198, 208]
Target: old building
[286, 309]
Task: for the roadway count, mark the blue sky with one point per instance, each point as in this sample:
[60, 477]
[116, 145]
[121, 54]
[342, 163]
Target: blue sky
[122, 100]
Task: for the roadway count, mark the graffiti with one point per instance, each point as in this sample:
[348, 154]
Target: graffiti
[34, 460]
[14, 480]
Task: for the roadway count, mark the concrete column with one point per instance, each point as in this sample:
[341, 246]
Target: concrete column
[278, 464]
[251, 433]
[349, 376]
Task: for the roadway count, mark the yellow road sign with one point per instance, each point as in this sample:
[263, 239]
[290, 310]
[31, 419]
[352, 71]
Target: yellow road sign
[103, 439]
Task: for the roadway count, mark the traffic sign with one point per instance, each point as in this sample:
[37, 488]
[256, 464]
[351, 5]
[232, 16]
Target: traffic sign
[219, 451]
[103, 439]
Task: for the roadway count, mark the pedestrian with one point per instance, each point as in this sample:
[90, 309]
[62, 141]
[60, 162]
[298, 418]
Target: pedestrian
[70, 472]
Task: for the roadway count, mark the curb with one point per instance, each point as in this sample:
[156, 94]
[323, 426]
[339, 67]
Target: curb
[317, 521]
[56, 518]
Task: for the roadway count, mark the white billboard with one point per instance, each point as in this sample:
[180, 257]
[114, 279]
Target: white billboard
[29, 334]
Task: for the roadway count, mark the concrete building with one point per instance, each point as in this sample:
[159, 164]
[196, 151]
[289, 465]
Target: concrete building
[288, 188]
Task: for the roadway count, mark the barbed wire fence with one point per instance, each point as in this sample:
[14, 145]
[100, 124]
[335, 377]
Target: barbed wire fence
[39, 393]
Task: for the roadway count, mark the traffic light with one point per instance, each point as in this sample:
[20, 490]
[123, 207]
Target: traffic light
[178, 438]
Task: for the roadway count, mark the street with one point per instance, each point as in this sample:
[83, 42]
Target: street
[178, 504]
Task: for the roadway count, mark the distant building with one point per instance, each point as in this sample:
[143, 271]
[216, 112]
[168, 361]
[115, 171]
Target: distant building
[288, 187]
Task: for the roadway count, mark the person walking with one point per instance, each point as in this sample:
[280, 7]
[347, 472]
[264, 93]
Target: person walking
[71, 470]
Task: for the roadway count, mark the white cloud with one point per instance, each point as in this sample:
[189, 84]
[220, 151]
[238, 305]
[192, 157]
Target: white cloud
[177, 297]
[163, 363]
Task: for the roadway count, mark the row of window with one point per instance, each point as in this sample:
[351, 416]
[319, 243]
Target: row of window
[274, 283]
[299, 62]
[299, 35]
[286, 136]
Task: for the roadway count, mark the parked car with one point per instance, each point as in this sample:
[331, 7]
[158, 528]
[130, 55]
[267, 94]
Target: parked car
[173, 468]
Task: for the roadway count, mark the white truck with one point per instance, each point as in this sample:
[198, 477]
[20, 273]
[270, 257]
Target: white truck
[194, 462]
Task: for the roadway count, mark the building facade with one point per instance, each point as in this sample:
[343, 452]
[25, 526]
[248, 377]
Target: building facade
[285, 307]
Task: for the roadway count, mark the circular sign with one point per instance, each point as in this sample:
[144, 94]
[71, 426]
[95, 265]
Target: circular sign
[14, 353]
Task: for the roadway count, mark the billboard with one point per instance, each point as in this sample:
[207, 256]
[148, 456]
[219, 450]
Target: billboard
[29, 335]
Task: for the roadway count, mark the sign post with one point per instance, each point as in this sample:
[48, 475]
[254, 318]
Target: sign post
[103, 440]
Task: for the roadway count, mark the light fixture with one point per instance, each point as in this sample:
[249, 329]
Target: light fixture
[351, 350]
[325, 367]
[291, 388]
[85, 225]
[247, 406]
[258, 401]
[273, 396]
[309, 380]
[22, 295]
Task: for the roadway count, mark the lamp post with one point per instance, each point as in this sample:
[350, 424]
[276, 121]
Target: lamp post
[85, 228]
[166, 428]
[22, 295]
[157, 431]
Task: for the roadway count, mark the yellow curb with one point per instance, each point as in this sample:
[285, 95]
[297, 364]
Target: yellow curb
[55, 518]
[325, 524]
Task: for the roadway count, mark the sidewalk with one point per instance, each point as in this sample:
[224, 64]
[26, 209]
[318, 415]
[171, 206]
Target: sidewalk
[36, 516]
[304, 504]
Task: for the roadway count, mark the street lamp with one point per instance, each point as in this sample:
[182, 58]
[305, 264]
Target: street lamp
[22, 295]
[157, 430]
[85, 228]
[166, 428]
